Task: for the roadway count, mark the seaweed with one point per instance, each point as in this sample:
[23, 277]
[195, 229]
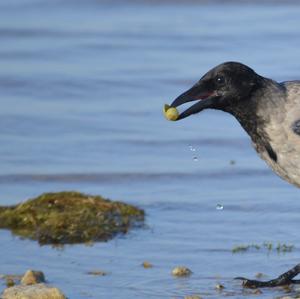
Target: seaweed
[69, 217]
[280, 248]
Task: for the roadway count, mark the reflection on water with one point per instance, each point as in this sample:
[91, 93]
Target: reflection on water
[82, 86]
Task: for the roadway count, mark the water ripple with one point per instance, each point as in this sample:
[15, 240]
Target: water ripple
[124, 177]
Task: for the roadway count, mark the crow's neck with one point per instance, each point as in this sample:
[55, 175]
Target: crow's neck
[255, 113]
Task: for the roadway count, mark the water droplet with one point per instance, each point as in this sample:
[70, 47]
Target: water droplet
[219, 207]
[195, 159]
[192, 149]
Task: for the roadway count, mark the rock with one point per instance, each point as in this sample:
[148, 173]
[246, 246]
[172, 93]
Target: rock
[181, 271]
[32, 277]
[69, 217]
[147, 265]
[36, 291]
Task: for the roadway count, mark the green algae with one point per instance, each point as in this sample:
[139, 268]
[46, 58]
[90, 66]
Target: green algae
[69, 217]
[280, 248]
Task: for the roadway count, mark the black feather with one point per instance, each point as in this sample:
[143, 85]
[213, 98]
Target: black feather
[271, 153]
[296, 127]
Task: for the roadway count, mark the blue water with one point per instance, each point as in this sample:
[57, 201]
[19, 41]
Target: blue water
[82, 86]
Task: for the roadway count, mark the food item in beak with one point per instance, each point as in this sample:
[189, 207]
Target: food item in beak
[171, 113]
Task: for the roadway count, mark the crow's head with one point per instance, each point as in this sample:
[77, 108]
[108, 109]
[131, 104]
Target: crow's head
[223, 87]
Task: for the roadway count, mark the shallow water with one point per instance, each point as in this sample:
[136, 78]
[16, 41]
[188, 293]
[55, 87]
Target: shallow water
[82, 85]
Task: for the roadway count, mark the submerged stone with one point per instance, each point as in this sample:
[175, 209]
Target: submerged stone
[69, 217]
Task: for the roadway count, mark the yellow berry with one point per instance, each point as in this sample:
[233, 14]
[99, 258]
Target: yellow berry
[171, 113]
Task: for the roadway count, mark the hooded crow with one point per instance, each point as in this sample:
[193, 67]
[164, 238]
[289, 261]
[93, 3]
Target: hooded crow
[268, 111]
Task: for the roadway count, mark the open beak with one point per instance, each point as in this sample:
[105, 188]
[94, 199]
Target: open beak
[204, 98]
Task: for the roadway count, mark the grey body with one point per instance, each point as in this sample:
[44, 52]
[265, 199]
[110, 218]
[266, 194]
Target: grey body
[276, 136]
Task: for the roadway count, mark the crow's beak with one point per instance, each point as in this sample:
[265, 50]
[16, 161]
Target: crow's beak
[204, 98]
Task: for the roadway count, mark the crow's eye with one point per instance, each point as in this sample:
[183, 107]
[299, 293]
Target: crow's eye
[220, 80]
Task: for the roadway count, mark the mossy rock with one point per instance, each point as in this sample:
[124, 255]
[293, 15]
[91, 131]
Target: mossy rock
[69, 217]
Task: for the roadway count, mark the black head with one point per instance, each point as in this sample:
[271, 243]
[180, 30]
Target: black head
[223, 87]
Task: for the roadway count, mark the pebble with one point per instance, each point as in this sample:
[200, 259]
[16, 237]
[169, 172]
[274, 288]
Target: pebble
[9, 282]
[32, 277]
[147, 265]
[181, 271]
